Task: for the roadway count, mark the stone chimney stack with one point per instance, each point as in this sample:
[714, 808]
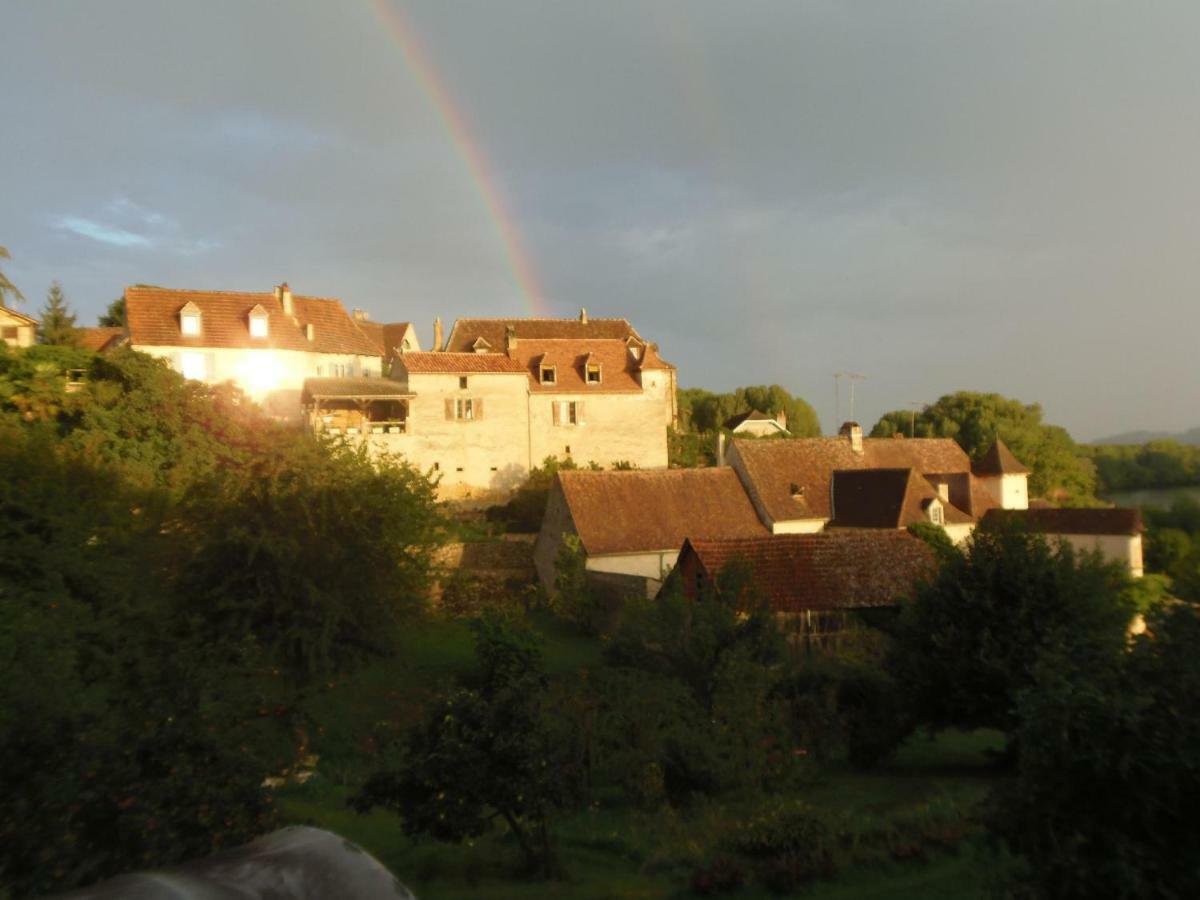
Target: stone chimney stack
[582, 316]
[360, 316]
[284, 293]
[781, 418]
[310, 332]
[510, 339]
[853, 431]
[437, 334]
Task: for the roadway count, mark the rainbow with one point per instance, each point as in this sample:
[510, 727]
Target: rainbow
[471, 152]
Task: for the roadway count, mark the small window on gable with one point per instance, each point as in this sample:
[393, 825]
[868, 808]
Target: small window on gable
[549, 374]
[935, 514]
[189, 320]
[258, 322]
[462, 382]
[593, 373]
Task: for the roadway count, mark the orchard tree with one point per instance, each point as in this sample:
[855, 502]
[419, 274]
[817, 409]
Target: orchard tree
[58, 323]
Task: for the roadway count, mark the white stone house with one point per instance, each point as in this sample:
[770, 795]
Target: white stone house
[17, 329]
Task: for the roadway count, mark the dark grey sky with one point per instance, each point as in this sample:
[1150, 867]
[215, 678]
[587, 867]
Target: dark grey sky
[992, 196]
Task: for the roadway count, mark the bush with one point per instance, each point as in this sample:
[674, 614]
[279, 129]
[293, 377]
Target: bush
[789, 844]
[873, 714]
[722, 876]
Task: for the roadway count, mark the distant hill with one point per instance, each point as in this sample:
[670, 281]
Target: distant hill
[1191, 436]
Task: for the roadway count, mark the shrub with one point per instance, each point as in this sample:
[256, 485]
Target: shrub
[789, 844]
[722, 876]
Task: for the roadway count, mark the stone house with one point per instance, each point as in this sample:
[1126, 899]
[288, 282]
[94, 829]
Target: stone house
[16, 328]
[758, 424]
[1115, 533]
[266, 343]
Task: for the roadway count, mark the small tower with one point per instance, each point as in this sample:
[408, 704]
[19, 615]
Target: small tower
[1003, 476]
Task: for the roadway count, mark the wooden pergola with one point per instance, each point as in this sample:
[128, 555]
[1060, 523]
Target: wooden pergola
[357, 405]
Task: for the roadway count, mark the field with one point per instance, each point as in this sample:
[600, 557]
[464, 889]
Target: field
[906, 829]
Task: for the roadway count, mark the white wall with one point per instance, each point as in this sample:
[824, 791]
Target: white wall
[1120, 547]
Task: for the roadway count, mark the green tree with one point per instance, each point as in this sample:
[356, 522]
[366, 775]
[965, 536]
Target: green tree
[114, 316]
[966, 644]
[6, 286]
[485, 752]
[1105, 798]
[704, 411]
[974, 420]
[58, 323]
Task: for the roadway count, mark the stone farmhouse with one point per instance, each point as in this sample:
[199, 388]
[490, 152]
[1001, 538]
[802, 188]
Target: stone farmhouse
[17, 329]
[829, 485]
[503, 395]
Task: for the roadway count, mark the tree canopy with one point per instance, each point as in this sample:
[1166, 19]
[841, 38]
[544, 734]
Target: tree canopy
[6, 286]
[114, 316]
[58, 322]
[705, 411]
[975, 420]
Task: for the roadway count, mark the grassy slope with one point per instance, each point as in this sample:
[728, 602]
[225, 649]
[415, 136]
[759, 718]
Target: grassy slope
[618, 853]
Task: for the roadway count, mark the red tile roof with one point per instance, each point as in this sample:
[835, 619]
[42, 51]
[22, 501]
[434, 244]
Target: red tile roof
[829, 570]
[456, 363]
[618, 369]
[1052, 520]
[386, 336]
[998, 460]
[641, 512]
[774, 466]
[465, 332]
[153, 317]
[100, 339]
[886, 498]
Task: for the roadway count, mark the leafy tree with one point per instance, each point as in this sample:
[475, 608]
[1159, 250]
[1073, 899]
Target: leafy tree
[1104, 802]
[966, 644]
[58, 324]
[317, 551]
[114, 316]
[6, 286]
[524, 511]
[704, 411]
[484, 752]
[975, 421]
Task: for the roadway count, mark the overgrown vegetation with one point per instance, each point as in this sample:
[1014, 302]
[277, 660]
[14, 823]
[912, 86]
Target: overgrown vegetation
[175, 570]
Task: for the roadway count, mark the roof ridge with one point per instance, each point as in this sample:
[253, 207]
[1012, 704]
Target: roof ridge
[170, 290]
[590, 320]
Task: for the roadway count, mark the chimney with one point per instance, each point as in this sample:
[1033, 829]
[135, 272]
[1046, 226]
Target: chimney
[360, 316]
[582, 316]
[853, 431]
[437, 334]
[284, 293]
[781, 418]
[719, 448]
[510, 339]
[310, 332]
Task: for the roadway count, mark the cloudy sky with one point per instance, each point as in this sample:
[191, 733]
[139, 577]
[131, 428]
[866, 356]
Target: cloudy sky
[940, 195]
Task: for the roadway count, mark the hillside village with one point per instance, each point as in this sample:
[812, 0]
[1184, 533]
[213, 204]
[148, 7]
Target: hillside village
[491, 400]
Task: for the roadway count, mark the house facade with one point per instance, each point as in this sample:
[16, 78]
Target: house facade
[500, 396]
[17, 329]
[266, 343]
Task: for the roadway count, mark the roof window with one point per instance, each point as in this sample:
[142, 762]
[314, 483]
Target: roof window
[592, 373]
[258, 322]
[189, 319]
[549, 374]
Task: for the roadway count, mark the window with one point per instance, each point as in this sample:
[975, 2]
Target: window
[190, 324]
[464, 409]
[935, 514]
[549, 375]
[193, 365]
[593, 373]
[9, 332]
[462, 382]
[258, 322]
[566, 412]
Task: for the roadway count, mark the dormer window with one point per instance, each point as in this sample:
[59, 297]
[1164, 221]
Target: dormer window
[549, 374]
[189, 320]
[258, 322]
[481, 345]
[592, 372]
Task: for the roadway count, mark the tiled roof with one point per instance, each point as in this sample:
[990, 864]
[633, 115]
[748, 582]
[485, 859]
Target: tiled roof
[886, 498]
[153, 318]
[775, 466]
[464, 332]
[19, 317]
[456, 363]
[100, 339]
[636, 512]
[1051, 520]
[618, 370]
[829, 570]
[753, 415]
[386, 336]
[998, 460]
[366, 388]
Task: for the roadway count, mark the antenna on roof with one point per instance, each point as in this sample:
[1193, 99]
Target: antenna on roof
[853, 377]
[837, 399]
[913, 406]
